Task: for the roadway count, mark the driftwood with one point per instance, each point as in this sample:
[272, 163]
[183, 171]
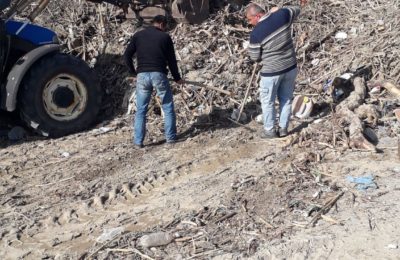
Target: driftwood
[346, 111]
[392, 89]
[368, 113]
[198, 84]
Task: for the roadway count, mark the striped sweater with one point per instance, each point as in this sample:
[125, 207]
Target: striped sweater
[271, 42]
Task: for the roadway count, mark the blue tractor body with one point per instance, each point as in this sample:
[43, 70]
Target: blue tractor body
[32, 33]
[55, 93]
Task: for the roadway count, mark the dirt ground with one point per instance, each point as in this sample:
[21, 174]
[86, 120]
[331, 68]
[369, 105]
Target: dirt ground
[232, 194]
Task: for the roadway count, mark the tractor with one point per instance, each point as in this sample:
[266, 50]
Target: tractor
[57, 94]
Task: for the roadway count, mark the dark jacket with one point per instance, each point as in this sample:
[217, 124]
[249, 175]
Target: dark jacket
[154, 52]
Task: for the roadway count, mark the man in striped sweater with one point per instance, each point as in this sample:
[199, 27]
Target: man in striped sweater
[271, 44]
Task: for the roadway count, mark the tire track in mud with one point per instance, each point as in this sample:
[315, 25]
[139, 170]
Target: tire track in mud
[77, 223]
[131, 194]
[132, 191]
[128, 195]
[74, 224]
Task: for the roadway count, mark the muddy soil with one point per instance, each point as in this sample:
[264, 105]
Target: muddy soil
[233, 194]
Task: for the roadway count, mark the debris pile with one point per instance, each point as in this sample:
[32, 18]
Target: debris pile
[250, 216]
[332, 39]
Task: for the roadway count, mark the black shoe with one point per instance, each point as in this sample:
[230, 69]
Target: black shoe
[138, 146]
[283, 132]
[268, 134]
[171, 142]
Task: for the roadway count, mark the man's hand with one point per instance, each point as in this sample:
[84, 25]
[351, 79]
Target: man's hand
[131, 79]
[181, 82]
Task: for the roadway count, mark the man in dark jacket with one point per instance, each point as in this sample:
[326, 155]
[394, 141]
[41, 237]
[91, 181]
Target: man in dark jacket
[271, 44]
[154, 51]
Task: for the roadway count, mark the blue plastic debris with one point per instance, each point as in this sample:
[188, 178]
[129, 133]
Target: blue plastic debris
[327, 84]
[363, 182]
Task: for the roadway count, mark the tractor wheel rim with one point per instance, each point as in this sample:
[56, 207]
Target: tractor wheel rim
[74, 107]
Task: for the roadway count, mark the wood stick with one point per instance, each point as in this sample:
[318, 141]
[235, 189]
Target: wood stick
[184, 239]
[198, 84]
[329, 219]
[325, 209]
[392, 89]
[265, 222]
[242, 125]
[247, 92]
[130, 250]
[229, 215]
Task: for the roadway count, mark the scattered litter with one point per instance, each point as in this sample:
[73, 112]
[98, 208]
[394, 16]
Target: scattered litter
[245, 44]
[392, 246]
[381, 25]
[363, 182]
[315, 62]
[302, 107]
[259, 119]
[109, 234]
[375, 90]
[327, 85]
[346, 76]
[65, 154]
[155, 239]
[317, 194]
[338, 93]
[102, 130]
[353, 31]
[341, 36]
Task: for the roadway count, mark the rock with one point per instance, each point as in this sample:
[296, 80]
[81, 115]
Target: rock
[396, 169]
[371, 135]
[55, 242]
[235, 115]
[16, 133]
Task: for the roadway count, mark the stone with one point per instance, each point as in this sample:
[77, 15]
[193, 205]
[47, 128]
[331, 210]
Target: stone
[16, 133]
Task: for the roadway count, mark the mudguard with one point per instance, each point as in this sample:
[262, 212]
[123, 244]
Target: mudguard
[18, 72]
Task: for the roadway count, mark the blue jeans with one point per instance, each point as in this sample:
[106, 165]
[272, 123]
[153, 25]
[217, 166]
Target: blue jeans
[271, 87]
[145, 83]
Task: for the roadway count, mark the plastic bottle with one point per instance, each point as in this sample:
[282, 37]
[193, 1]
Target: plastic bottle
[109, 234]
[155, 239]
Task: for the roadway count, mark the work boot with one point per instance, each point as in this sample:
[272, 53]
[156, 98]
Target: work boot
[283, 132]
[268, 134]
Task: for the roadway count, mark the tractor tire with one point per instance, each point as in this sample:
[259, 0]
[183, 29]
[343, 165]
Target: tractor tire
[60, 95]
